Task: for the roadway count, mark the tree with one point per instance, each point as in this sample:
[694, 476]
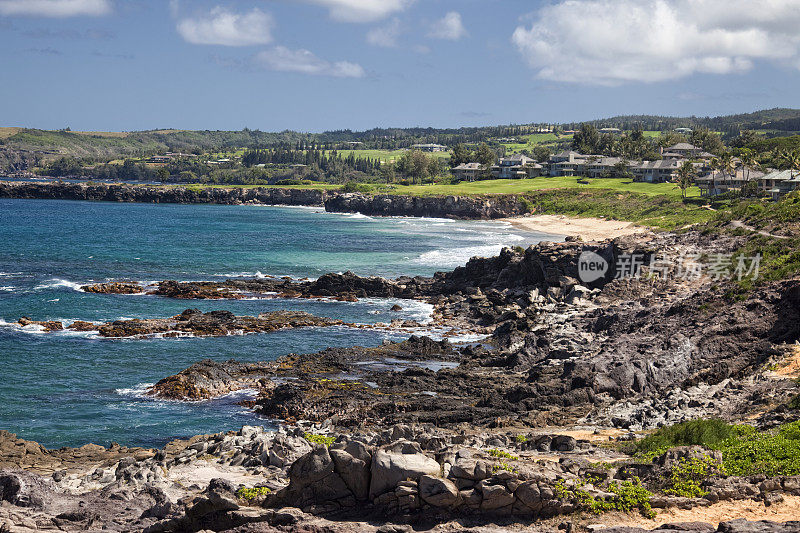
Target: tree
[162, 174]
[485, 155]
[388, 172]
[749, 163]
[586, 140]
[686, 174]
[791, 161]
[461, 154]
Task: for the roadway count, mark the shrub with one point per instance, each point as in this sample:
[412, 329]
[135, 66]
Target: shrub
[502, 465]
[325, 440]
[707, 433]
[252, 494]
[501, 454]
[688, 475]
[352, 186]
[775, 453]
[628, 496]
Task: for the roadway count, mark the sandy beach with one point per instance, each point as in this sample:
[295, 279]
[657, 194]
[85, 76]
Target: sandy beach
[588, 229]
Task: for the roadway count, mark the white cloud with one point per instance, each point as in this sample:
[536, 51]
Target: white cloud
[55, 8]
[226, 28]
[302, 61]
[385, 36]
[362, 10]
[609, 42]
[450, 27]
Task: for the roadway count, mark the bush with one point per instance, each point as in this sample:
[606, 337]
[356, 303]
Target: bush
[252, 494]
[352, 186]
[751, 452]
[707, 433]
[628, 496]
[688, 475]
[325, 440]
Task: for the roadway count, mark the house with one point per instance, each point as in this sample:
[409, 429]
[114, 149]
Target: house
[611, 131]
[685, 150]
[718, 182]
[429, 147]
[601, 167]
[516, 166]
[779, 183]
[661, 171]
[683, 131]
[567, 163]
[468, 171]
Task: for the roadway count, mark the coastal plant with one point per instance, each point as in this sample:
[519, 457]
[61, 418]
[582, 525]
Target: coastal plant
[252, 494]
[500, 454]
[521, 438]
[502, 465]
[701, 432]
[686, 477]
[773, 453]
[324, 440]
[628, 496]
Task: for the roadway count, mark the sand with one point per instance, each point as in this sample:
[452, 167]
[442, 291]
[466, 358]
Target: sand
[588, 229]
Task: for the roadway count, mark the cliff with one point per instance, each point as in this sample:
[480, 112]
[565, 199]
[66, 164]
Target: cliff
[166, 195]
[459, 207]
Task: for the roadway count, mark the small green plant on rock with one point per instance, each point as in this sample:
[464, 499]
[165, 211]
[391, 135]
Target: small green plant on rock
[325, 440]
[252, 494]
[687, 477]
[521, 438]
[628, 496]
[500, 454]
[502, 465]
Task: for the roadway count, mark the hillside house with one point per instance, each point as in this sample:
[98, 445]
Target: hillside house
[469, 171]
[517, 166]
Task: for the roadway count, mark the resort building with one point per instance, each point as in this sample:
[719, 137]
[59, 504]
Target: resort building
[429, 147]
[718, 182]
[469, 171]
[661, 171]
[517, 166]
[779, 183]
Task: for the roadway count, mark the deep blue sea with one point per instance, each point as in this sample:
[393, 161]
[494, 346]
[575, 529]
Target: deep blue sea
[67, 389]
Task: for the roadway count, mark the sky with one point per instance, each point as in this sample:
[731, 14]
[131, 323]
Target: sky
[318, 65]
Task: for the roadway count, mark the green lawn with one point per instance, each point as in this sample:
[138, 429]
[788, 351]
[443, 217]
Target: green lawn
[476, 188]
[538, 184]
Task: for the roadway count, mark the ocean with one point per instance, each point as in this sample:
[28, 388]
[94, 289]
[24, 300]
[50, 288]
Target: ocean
[68, 388]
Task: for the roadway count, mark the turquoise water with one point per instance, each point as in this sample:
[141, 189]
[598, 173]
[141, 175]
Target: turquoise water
[67, 389]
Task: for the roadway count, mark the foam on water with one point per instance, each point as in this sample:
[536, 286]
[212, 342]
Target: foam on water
[57, 283]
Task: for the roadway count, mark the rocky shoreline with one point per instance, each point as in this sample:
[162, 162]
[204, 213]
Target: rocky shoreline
[457, 207]
[526, 430]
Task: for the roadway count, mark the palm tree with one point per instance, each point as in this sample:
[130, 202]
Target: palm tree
[791, 160]
[749, 163]
[686, 174]
[714, 165]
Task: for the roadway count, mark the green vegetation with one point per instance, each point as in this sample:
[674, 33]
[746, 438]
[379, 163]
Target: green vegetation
[521, 438]
[745, 451]
[252, 494]
[772, 453]
[352, 186]
[502, 465]
[628, 496]
[688, 475]
[324, 440]
[706, 433]
[501, 454]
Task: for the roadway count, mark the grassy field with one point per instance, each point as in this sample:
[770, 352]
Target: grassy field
[539, 184]
[107, 134]
[5, 133]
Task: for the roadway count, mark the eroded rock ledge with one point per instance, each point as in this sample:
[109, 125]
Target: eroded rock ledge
[401, 478]
[193, 322]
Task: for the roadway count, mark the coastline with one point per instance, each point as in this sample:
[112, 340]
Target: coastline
[587, 229]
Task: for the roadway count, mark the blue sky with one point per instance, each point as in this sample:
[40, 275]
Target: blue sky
[314, 65]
